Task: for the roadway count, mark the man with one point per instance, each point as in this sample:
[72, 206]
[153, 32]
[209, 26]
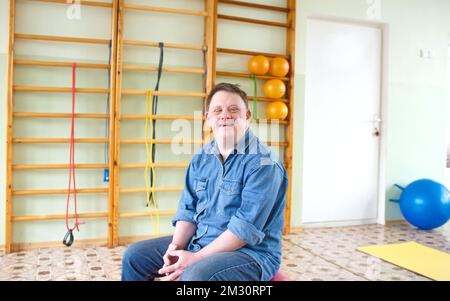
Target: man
[229, 221]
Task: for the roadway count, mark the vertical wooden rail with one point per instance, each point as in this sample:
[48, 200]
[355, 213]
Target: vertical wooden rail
[112, 222]
[118, 97]
[9, 105]
[290, 51]
[210, 40]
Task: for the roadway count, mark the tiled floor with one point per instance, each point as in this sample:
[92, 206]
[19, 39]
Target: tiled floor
[315, 254]
[330, 253]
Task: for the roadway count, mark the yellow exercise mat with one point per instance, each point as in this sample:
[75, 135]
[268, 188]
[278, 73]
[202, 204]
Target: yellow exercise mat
[415, 257]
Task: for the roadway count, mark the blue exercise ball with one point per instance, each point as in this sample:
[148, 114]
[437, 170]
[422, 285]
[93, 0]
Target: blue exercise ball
[425, 204]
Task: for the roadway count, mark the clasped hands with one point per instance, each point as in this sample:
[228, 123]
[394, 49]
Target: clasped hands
[176, 260]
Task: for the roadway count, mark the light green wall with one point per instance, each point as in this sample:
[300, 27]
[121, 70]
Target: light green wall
[416, 93]
[417, 88]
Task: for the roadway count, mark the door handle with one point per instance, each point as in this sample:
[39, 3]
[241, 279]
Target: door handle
[376, 124]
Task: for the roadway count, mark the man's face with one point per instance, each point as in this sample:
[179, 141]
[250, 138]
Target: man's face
[228, 117]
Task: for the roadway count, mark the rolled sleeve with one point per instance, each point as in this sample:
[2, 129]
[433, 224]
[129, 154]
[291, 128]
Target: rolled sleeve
[183, 215]
[188, 202]
[245, 231]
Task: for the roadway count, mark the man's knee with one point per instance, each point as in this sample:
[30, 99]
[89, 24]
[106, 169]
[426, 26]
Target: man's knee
[136, 264]
[129, 256]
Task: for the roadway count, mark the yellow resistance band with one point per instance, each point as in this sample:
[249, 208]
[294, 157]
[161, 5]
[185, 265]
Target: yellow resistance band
[149, 162]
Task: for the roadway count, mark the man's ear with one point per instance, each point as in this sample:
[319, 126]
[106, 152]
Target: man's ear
[248, 115]
[206, 119]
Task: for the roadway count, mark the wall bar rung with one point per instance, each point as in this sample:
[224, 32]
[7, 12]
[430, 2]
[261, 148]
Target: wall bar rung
[58, 166]
[57, 191]
[59, 115]
[254, 21]
[160, 117]
[166, 10]
[272, 121]
[56, 216]
[247, 52]
[152, 68]
[166, 45]
[247, 75]
[254, 5]
[156, 165]
[39, 37]
[81, 2]
[157, 189]
[162, 141]
[59, 89]
[164, 93]
[265, 99]
[59, 64]
[59, 140]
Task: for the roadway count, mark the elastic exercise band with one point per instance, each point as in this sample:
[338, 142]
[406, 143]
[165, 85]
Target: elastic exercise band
[149, 160]
[255, 98]
[68, 238]
[106, 170]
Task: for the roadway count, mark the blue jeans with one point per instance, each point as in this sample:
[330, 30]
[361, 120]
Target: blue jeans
[143, 259]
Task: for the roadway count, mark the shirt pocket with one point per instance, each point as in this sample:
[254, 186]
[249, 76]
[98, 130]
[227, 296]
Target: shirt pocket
[230, 197]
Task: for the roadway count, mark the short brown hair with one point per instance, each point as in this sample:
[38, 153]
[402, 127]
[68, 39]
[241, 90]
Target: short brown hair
[231, 88]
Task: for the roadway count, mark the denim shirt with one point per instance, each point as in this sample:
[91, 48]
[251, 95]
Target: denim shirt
[246, 194]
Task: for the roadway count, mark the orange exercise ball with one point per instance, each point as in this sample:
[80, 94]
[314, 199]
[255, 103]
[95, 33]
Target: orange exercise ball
[274, 88]
[279, 66]
[258, 65]
[276, 110]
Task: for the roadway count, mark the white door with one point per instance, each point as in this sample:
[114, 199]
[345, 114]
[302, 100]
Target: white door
[342, 112]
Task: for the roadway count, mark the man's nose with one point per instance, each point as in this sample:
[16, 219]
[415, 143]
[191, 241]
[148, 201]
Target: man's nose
[224, 114]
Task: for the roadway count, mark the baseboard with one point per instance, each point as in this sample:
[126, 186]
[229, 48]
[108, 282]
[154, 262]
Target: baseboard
[333, 224]
[396, 222]
[296, 230]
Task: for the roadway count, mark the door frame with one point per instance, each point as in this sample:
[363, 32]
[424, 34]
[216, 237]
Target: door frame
[447, 125]
[382, 148]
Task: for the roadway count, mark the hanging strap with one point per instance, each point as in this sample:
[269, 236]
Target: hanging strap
[255, 97]
[154, 110]
[149, 161]
[68, 238]
[106, 170]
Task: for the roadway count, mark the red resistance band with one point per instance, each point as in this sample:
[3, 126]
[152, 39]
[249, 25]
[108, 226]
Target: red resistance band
[68, 238]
